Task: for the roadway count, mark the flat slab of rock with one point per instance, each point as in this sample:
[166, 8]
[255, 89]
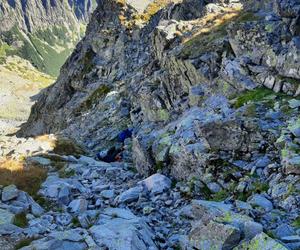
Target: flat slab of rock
[130, 195]
[6, 217]
[119, 229]
[62, 243]
[78, 206]
[8, 229]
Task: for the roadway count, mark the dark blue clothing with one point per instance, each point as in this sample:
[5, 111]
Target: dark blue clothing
[110, 156]
[127, 133]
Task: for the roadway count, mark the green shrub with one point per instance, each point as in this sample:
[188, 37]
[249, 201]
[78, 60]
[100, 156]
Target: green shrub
[255, 95]
[296, 223]
[23, 243]
[20, 220]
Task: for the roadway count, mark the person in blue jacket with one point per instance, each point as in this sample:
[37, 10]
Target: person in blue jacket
[114, 154]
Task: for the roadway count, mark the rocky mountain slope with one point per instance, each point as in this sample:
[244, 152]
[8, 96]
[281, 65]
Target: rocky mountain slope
[211, 91]
[43, 32]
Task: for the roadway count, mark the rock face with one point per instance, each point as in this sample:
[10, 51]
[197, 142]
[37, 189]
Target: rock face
[149, 74]
[34, 15]
[43, 32]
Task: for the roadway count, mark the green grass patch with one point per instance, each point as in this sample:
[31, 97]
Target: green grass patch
[5, 50]
[23, 243]
[98, 94]
[87, 62]
[260, 187]
[203, 42]
[63, 173]
[296, 223]
[220, 196]
[20, 220]
[93, 98]
[75, 222]
[43, 202]
[255, 95]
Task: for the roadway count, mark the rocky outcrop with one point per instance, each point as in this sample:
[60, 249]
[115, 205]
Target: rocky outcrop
[124, 75]
[33, 15]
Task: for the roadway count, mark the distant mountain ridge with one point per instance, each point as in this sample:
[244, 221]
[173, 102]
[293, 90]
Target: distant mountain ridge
[43, 32]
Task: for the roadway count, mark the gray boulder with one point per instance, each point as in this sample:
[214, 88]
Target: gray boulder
[262, 202]
[130, 195]
[65, 240]
[78, 206]
[119, 229]
[9, 193]
[6, 217]
[156, 184]
[214, 236]
[261, 242]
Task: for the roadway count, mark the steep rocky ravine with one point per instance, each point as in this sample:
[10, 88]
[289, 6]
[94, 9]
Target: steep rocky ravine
[210, 90]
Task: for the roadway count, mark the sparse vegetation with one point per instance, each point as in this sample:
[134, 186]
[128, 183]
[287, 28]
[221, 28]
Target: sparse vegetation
[63, 173]
[88, 62]
[214, 28]
[20, 220]
[43, 202]
[75, 222]
[158, 166]
[292, 81]
[296, 223]
[255, 95]
[145, 16]
[66, 146]
[152, 9]
[38, 79]
[221, 195]
[99, 93]
[5, 50]
[23, 243]
[26, 178]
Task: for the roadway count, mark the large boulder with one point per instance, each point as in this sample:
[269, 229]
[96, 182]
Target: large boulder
[214, 236]
[262, 242]
[216, 225]
[6, 217]
[70, 239]
[156, 184]
[119, 229]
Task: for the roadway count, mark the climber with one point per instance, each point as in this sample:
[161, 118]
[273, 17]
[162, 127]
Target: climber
[115, 154]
